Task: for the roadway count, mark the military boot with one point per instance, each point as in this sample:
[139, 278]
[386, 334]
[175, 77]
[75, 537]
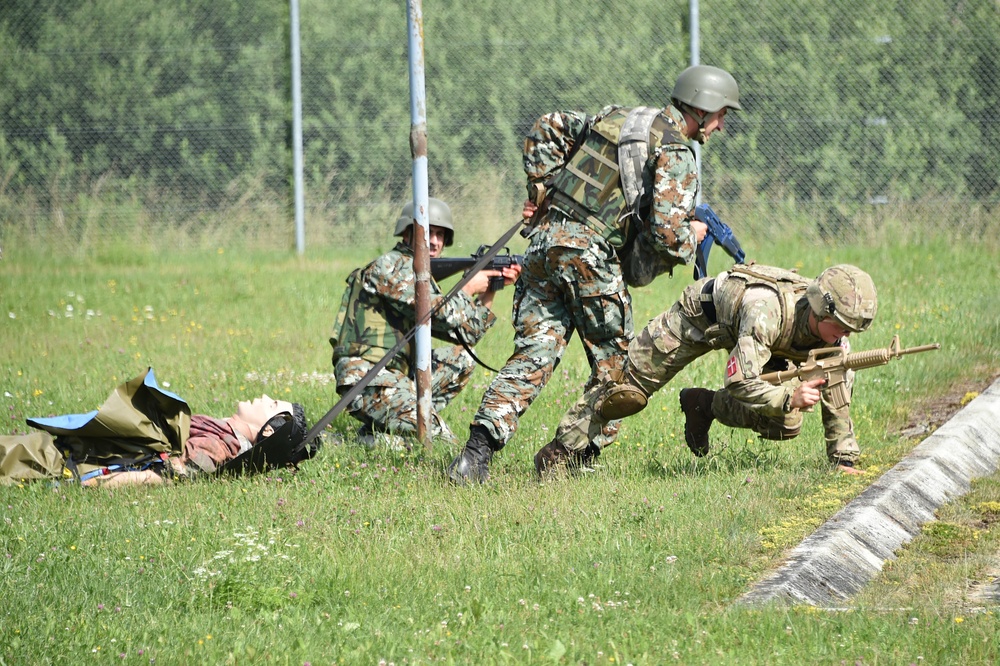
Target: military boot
[586, 460]
[696, 403]
[554, 456]
[551, 457]
[473, 463]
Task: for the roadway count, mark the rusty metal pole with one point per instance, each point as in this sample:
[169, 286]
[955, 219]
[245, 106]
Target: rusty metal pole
[421, 228]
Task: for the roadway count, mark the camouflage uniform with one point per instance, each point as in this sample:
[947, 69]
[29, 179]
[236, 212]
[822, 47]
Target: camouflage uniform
[751, 325]
[572, 278]
[377, 310]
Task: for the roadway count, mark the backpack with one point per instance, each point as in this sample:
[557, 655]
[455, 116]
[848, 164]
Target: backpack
[28, 458]
[603, 181]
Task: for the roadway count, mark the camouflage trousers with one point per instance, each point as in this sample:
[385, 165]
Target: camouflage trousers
[570, 281]
[665, 346]
[389, 402]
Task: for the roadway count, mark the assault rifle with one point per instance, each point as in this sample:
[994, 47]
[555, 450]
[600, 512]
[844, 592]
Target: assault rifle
[445, 267]
[718, 231]
[832, 363]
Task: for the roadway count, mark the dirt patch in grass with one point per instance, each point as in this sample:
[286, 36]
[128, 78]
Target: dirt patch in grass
[930, 414]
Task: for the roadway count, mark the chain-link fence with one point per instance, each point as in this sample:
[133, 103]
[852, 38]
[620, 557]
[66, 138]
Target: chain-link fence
[139, 120]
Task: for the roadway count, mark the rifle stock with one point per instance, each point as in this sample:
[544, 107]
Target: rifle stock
[718, 231]
[832, 364]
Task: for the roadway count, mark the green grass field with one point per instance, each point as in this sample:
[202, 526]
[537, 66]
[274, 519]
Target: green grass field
[369, 556]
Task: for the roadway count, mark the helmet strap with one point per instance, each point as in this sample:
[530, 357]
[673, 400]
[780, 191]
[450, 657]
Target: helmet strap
[700, 117]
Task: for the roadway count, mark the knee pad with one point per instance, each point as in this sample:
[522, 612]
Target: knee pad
[620, 401]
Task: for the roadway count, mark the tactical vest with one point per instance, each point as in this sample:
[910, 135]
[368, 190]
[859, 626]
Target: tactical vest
[789, 286]
[605, 183]
[363, 329]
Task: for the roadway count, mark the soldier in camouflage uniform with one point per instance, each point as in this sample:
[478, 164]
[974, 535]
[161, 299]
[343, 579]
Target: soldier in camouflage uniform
[765, 318]
[378, 309]
[620, 184]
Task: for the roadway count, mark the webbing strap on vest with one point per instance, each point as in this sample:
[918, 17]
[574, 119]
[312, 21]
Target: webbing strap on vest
[356, 390]
[633, 151]
[788, 295]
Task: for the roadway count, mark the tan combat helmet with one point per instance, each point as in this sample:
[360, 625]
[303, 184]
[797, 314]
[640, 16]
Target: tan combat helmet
[707, 88]
[438, 215]
[845, 293]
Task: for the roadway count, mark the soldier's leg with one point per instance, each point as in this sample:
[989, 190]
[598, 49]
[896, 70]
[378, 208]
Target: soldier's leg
[541, 330]
[664, 347]
[542, 327]
[601, 309]
[735, 414]
[391, 407]
[451, 369]
[838, 427]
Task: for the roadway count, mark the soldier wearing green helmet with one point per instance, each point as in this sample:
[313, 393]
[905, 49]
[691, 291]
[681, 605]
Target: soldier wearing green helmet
[611, 203]
[764, 318]
[704, 92]
[378, 308]
[438, 215]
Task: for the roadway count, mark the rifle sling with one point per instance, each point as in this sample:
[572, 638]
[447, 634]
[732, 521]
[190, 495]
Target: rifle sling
[356, 390]
[475, 358]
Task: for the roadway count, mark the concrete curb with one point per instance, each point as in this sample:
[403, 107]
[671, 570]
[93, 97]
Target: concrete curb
[844, 554]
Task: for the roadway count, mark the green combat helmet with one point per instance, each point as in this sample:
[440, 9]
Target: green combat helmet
[847, 294]
[439, 215]
[707, 88]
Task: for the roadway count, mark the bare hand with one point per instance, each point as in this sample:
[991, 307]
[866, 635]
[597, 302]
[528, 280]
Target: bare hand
[700, 229]
[807, 394]
[510, 274]
[529, 209]
[480, 282]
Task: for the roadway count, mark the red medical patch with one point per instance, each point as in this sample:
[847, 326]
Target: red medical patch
[731, 367]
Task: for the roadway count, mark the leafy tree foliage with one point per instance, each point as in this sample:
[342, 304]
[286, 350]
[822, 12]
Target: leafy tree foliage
[186, 104]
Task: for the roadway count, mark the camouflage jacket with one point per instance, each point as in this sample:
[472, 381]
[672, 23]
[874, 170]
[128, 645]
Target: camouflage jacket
[761, 341]
[671, 170]
[378, 308]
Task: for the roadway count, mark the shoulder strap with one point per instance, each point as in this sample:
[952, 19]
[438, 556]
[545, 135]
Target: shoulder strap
[789, 290]
[633, 151]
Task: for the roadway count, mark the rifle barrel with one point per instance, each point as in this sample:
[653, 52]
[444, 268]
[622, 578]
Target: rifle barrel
[921, 348]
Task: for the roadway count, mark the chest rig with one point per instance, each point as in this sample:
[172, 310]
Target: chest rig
[365, 329]
[605, 184]
[790, 287]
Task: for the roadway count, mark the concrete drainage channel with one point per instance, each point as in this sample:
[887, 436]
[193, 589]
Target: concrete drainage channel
[844, 554]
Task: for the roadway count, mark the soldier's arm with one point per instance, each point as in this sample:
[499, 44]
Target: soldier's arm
[675, 188]
[759, 327]
[466, 317]
[838, 428]
[549, 142]
[393, 279]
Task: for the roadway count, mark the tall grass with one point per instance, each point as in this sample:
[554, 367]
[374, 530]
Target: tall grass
[366, 556]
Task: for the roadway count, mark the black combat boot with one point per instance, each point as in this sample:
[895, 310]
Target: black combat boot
[473, 463]
[696, 403]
